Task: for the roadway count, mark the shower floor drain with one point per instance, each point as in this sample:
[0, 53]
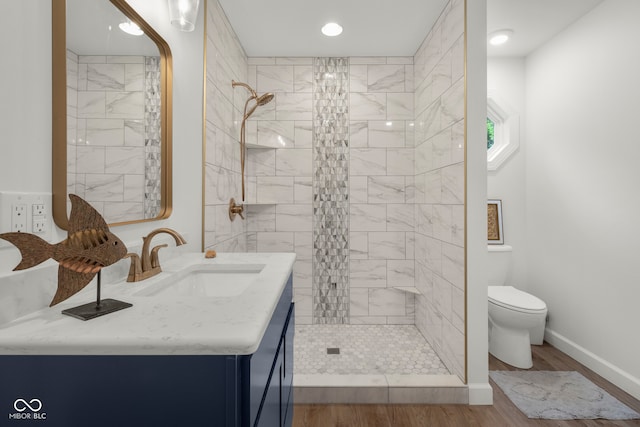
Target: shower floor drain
[333, 350]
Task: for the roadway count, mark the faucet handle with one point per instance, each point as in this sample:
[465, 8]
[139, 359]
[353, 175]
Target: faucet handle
[155, 261]
[135, 270]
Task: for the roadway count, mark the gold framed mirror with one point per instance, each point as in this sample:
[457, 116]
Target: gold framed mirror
[111, 113]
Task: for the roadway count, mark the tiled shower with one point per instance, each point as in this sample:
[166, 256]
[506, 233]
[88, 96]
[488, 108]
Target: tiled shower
[358, 167]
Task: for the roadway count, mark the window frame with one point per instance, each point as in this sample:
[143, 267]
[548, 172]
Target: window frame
[506, 135]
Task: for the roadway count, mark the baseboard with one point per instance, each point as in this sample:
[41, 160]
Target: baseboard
[617, 376]
[480, 394]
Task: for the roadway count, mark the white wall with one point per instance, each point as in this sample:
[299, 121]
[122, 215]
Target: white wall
[477, 347]
[506, 84]
[25, 114]
[582, 190]
[25, 104]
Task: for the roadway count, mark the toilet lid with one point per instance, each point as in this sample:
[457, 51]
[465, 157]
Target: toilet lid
[515, 299]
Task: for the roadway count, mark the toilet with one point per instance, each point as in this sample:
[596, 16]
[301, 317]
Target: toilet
[516, 318]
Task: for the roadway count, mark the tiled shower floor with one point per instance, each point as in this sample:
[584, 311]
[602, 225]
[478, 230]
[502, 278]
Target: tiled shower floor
[364, 350]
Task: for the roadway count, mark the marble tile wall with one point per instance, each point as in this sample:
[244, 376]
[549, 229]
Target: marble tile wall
[225, 61]
[439, 187]
[380, 180]
[109, 102]
[280, 216]
[381, 188]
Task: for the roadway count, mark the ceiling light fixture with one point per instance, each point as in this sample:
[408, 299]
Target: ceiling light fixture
[500, 37]
[183, 14]
[131, 28]
[331, 29]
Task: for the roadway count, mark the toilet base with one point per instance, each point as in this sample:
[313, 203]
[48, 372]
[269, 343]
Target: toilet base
[511, 346]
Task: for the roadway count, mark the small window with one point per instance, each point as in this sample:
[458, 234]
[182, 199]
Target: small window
[503, 133]
[490, 133]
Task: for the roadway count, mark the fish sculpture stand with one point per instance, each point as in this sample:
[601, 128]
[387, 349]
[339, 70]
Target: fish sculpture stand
[88, 248]
[99, 308]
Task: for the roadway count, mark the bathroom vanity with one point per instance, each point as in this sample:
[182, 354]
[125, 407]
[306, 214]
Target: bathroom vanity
[185, 354]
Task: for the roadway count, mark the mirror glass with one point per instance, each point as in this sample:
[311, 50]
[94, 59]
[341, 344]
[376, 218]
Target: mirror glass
[111, 112]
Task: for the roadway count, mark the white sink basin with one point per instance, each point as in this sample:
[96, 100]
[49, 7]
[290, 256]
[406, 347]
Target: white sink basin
[206, 280]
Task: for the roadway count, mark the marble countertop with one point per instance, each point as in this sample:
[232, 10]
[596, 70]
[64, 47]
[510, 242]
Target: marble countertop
[158, 325]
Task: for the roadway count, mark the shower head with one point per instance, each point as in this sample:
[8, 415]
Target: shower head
[264, 99]
[259, 103]
[260, 100]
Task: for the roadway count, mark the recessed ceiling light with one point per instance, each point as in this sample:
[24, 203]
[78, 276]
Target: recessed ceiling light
[331, 29]
[500, 37]
[131, 28]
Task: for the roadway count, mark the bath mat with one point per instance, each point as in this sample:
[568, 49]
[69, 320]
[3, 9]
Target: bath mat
[560, 395]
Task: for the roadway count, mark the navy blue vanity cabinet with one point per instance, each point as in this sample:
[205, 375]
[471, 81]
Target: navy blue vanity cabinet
[252, 390]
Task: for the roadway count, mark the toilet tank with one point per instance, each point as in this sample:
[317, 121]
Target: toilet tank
[499, 262]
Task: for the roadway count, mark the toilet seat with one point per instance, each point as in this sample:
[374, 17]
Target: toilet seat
[514, 299]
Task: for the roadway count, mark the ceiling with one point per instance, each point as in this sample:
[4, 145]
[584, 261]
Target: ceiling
[383, 27]
[532, 22]
[371, 27]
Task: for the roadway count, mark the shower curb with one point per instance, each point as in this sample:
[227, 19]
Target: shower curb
[379, 389]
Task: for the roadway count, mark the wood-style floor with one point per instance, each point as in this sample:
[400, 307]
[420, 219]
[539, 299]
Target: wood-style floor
[502, 413]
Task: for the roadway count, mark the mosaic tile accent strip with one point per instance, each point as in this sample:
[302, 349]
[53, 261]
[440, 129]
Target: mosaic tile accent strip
[331, 190]
[152, 137]
[364, 350]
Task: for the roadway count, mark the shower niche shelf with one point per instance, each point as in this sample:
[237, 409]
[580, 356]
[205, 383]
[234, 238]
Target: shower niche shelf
[408, 289]
[253, 145]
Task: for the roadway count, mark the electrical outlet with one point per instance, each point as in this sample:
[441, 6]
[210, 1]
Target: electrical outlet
[25, 213]
[19, 218]
[39, 225]
[37, 209]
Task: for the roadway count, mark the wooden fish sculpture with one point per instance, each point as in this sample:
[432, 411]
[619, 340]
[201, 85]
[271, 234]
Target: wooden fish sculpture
[89, 247]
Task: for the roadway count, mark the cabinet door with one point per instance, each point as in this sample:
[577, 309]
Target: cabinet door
[256, 369]
[287, 369]
[271, 413]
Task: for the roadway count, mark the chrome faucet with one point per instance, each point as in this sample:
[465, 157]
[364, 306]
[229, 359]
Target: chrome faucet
[149, 266]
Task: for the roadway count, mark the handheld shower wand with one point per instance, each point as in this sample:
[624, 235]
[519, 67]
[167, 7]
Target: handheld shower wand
[259, 101]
